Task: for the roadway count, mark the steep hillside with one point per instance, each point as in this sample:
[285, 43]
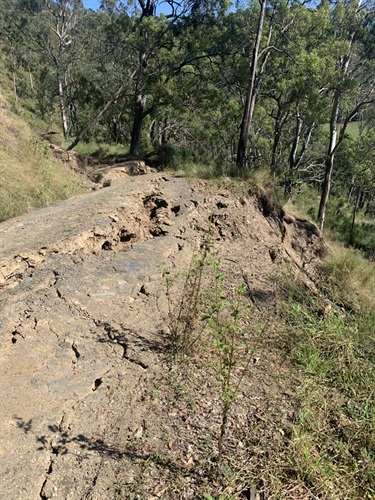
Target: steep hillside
[29, 176]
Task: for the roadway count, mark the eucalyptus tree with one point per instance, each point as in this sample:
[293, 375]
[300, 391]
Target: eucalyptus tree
[355, 177]
[49, 30]
[151, 42]
[15, 40]
[352, 87]
[294, 87]
[55, 32]
[154, 40]
[198, 106]
[275, 20]
[108, 62]
[252, 87]
[61, 21]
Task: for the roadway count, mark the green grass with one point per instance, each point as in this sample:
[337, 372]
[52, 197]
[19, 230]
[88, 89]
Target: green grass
[332, 446]
[352, 129]
[99, 150]
[351, 278]
[29, 177]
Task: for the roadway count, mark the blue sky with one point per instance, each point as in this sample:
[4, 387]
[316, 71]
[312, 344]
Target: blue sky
[91, 4]
[95, 4]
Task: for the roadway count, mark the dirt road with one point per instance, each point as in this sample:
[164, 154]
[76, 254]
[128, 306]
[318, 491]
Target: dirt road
[82, 321]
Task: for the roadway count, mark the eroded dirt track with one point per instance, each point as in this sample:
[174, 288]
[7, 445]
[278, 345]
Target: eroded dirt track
[82, 316]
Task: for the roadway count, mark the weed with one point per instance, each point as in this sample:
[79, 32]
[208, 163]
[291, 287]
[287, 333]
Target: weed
[351, 278]
[99, 149]
[184, 320]
[226, 334]
[221, 325]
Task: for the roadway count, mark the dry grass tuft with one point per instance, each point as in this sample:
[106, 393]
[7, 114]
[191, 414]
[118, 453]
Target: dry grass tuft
[352, 277]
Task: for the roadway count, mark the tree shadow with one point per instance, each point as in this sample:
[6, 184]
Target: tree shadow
[63, 439]
[130, 339]
[60, 441]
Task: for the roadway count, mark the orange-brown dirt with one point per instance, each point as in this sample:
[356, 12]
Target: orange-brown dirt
[91, 406]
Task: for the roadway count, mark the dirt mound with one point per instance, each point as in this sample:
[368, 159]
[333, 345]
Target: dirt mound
[143, 221]
[83, 324]
[98, 170]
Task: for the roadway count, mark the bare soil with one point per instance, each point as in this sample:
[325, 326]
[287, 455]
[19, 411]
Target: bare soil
[92, 407]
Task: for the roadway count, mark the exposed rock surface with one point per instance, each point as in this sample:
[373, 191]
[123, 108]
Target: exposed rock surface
[82, 315]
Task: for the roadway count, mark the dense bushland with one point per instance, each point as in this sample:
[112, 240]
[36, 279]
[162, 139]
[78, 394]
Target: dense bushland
[287, 86]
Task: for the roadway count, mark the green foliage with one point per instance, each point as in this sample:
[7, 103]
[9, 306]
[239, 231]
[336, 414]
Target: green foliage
[223, 326]
[219, 325]
[332, 448]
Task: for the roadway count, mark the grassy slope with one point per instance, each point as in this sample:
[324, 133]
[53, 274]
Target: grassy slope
[29, 177]
[332, 447]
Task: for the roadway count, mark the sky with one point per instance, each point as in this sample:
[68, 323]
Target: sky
[91, 4]
[95, 4]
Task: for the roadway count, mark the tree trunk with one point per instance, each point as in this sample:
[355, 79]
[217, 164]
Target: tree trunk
[15, 86]
[294, 159]
[333, 145]
[362, 200]
[351, 188]
[251, 92]
[279, 124]
[64, 118]
[148, 10]
[352, 227]
[306, 141]
[31, 81]
[164, 138]
[325, 191]
[297, 137]
[329, 159]
[153, 132]
[107, 105]
[135, 145]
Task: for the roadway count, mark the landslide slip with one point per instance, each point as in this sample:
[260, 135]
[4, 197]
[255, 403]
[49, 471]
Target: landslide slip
[82, 318]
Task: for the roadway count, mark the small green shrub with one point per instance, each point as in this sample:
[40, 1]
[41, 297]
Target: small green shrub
[100, 149]
[223, 325]
[215, 314]
[184, 322]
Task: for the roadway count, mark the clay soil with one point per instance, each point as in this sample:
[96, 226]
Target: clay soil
[94, 403]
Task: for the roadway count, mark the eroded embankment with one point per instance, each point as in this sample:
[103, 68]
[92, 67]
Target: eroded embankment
[82, 320]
